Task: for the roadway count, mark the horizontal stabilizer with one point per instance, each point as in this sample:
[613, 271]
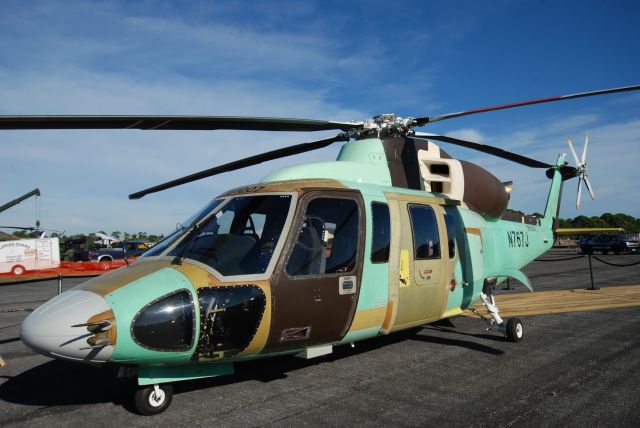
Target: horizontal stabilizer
[515, 274]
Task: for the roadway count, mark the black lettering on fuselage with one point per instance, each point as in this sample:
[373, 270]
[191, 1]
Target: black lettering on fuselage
[517, 238]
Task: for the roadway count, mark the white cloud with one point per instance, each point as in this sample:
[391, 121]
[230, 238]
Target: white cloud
[467, 134]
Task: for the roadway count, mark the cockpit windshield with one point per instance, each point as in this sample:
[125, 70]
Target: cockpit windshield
[240, 238]
[181, 229]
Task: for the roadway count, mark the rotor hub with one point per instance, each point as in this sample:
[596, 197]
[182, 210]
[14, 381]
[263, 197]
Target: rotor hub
[384, 125]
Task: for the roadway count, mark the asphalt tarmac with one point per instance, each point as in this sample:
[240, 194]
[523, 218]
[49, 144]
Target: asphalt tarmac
[571, 369]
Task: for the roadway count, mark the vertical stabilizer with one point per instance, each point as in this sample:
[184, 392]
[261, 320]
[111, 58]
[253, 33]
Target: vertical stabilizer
[553, 200]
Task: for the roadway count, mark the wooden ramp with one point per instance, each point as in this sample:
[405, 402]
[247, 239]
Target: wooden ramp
[555, 302]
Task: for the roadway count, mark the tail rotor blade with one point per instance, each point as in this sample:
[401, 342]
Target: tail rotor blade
[579, 193]
[573, 152]
[587, 183]
[584, 150]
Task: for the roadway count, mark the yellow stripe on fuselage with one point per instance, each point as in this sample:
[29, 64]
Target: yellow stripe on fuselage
[368, 318]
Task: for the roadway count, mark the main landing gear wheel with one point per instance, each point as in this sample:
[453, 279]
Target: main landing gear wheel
[153, 399]
[514, 330]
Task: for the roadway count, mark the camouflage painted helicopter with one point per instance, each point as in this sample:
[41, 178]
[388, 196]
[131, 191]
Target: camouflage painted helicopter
[393, 234]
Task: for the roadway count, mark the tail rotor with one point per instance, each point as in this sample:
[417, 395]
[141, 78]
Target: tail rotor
[581, 166]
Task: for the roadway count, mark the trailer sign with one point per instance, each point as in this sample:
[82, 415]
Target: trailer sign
[29, 254]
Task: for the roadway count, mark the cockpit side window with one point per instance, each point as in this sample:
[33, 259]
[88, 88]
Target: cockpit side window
[327, 240]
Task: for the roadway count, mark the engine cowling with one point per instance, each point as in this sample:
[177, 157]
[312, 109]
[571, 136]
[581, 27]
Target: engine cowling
[420, 164]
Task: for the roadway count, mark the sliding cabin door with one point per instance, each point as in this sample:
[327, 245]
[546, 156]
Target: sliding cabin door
[422, 263]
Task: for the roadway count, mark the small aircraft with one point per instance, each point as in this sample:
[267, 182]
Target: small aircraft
[392, 235]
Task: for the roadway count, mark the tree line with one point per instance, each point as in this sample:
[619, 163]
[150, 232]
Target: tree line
[125, 236]
[628, 223]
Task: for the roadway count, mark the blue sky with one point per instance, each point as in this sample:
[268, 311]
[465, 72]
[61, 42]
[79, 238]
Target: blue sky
[326, 60]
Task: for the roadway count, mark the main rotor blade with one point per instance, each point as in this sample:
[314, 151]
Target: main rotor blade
[514, 157]
[421, 121]
[242, 163]
[172, 123]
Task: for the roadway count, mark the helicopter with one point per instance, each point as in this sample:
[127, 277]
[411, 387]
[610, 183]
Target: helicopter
[392, 235]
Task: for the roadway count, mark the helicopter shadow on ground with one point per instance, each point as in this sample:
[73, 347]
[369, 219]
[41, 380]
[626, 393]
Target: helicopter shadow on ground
[10, 340]
[274, 368]
[448, 327]
[58, 383]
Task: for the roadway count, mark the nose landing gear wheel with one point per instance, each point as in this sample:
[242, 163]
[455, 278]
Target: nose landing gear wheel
[514, 330]
[152, 400]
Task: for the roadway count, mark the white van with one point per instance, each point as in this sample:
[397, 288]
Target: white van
[29, 254]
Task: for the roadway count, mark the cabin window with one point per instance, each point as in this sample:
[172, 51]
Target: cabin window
[450, 221]
[380, 232]
[166, 324]
[327, 240]
[426, 242]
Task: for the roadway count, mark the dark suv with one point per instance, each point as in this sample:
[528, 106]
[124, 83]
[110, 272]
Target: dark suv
[605, 243]
[117, 251]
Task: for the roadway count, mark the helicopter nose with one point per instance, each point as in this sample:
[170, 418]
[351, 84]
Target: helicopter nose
[60, 327]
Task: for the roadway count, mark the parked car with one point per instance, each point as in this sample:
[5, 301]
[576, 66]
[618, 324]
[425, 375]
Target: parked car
[117, 251]
[606, 243]
[582, 241]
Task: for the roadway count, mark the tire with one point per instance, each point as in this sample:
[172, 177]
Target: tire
[515, 330]
[147, 403]
[587, 250]
[18, 270]
[105, 263]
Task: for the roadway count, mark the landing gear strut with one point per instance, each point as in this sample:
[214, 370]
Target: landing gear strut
[512, 328]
